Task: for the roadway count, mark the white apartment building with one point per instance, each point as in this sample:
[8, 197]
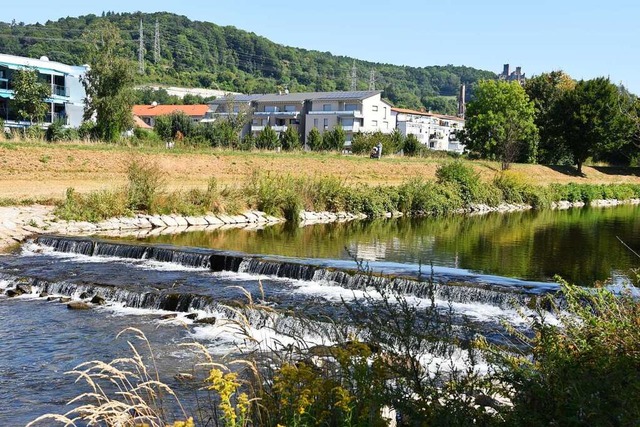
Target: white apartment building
[66, 101]
[436, 131]
[356, 111]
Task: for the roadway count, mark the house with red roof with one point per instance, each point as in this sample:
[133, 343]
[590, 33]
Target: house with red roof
[149, 113]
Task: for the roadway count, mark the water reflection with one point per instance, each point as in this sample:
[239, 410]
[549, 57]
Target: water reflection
[581, 245]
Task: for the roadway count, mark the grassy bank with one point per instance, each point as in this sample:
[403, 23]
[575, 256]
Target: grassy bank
[456, 187]
[32, 170]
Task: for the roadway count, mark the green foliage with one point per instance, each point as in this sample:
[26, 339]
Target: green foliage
[584, 370]
[267, 139]
[168, 127]
[86, 131]
[314, 140]
[412, 147]
[290, 139]
[590, 120]
[516, 189]
[30, 95]
[145, 182]
[109, 82]
[95, 206]
[334, 139]
[468, 184]
[57, 132]
[500, 124]
[363, 143]
[545, 90]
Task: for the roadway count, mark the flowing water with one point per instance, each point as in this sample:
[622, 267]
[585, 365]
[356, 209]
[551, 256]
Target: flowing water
[480, 267]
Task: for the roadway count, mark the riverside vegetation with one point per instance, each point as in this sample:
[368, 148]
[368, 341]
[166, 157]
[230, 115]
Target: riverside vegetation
[456, 188]
[577, 364]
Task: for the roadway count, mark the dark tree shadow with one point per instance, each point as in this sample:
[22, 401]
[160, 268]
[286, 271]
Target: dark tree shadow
[617, 170]
[565, 170]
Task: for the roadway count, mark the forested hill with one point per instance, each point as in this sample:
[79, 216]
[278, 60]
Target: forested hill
[202, 54]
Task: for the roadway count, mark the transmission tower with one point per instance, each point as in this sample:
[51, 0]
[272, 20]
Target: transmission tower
[156, 44]
[141, 50]
[372, 80]
[354, 76]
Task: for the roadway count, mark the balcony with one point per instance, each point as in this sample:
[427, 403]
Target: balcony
[279, 128]
[342, 113]
[257, 128]
[49, 118]
[59, 90]
[284, 114]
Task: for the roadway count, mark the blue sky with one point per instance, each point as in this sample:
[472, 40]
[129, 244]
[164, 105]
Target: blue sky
[584, 38]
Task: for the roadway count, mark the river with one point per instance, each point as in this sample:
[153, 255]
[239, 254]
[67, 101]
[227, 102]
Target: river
[309, 270]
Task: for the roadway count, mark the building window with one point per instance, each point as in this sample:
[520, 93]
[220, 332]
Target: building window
[289, 108]
[351, 107]
[386, 125]
[315, 123]
[326, 124]
[374, 123]
[236, 109]
[385, 112]
[326, 107]
[270, 109]
[374, 108]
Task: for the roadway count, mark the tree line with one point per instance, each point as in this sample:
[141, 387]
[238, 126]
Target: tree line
[554, 120]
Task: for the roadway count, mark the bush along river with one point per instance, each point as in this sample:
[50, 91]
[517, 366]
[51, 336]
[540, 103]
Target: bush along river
[178, 289]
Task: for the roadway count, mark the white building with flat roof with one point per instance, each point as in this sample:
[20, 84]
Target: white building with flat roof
[435, 131]
[67, 98]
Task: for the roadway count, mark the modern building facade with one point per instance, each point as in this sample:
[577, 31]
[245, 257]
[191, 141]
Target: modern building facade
[436, 131]
[354, 111]
[67, 98]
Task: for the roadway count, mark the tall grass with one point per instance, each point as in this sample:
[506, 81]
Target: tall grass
[457, 188]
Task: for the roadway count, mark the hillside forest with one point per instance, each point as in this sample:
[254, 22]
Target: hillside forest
[203, 54]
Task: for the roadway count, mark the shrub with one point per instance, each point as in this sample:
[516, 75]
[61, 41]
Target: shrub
[290, 139]
[412, 146]
[145, 181]
[95, 206]
[267, 139]
[87, 129]
[582, 371]
[55, 131]
[314, 140]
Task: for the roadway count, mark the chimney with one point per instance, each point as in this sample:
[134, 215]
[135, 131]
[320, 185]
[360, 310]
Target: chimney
[505, 70]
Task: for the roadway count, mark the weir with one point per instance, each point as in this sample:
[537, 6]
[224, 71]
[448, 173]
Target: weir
[447, 288]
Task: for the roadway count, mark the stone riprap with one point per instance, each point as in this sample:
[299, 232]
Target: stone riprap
[19, 222]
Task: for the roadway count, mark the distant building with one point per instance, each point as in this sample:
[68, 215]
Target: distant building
[515, 76]
[435, 131]
[67, 98]
[354, 111]
[149, 113]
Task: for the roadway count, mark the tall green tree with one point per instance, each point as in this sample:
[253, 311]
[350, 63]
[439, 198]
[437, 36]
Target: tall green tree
[545, 90]
[314, 140]
[267, 139]
[591, 120]
[290, 139]
[500, 123]
[109, 82]
[30, 95]
[334, 139]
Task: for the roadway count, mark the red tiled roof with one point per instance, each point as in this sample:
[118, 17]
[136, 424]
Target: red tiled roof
[139, 123]
[163, 110]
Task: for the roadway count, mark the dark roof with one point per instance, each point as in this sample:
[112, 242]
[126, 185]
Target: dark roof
[298, 97]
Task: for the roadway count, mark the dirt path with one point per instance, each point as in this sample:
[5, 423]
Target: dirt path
[40, 171]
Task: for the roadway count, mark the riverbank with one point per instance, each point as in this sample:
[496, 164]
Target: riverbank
[39, 171]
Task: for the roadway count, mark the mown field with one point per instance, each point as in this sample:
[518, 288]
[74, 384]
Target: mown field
[40, 171]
